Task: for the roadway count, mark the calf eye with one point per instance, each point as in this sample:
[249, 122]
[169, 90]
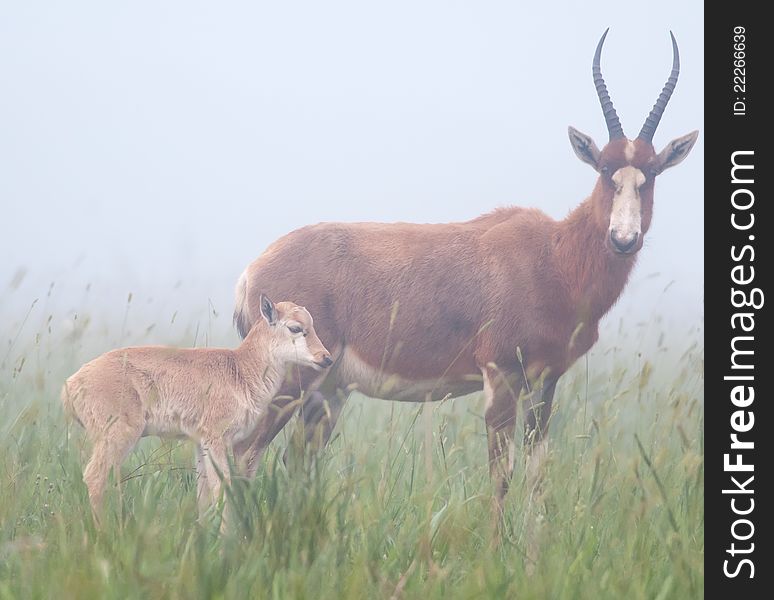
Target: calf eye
[294, 329]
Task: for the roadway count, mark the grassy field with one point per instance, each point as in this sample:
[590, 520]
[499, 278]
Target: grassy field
[397, 506]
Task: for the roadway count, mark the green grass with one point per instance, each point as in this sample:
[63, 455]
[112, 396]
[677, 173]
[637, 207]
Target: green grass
[399, 503]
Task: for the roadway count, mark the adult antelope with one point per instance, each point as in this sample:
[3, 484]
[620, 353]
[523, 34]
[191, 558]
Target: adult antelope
[416, 312]
[213, 396]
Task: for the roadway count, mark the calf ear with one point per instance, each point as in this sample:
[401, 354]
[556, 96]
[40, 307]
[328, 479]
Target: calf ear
[268, 310]
[675, 151]
[584, 147]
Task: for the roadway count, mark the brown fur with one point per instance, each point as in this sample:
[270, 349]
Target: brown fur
[212, 396]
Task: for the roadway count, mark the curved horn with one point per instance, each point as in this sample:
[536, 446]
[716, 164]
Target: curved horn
[651, 122]
[611, 118]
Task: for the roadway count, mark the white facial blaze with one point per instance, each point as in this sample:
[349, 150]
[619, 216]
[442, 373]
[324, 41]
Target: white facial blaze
[626, 216]
[629, 151]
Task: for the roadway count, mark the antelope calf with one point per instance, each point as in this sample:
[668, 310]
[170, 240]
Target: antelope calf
[213, 396]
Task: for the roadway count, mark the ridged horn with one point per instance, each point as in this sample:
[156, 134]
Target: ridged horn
[651, 122]
[611, 117]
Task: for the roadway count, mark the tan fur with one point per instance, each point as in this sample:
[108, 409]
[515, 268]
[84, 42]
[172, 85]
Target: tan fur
[211, 396]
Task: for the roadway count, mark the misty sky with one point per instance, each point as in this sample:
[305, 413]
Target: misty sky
[144, 144]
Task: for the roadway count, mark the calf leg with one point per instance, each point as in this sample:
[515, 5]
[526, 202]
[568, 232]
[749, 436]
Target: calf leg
[109, 452]
[218, 474]
[202, 484]
[95, 477]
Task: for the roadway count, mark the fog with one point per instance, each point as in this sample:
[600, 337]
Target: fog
[157, 148]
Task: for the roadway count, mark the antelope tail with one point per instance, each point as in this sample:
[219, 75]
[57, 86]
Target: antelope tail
[67, 403]
[241, 316]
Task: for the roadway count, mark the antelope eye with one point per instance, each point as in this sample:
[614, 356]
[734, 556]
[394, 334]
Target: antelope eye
[294, 329]
[605, 171]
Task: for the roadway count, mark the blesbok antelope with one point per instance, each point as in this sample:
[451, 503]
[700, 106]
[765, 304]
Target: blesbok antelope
[416, 312]
[213, 396]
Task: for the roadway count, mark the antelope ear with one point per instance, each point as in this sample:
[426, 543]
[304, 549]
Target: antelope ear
[675, 151]
[584, 147]
[268, 310]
